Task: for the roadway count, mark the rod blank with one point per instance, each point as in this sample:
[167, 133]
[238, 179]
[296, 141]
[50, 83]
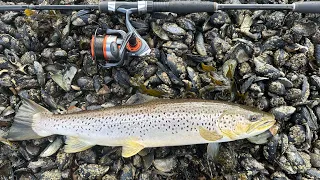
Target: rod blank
[173, 6]
[46, 7]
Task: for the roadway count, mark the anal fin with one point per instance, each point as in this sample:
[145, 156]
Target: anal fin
[131, 148]
[74, 144]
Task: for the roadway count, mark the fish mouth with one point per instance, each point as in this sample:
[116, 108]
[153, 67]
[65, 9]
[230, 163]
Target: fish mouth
[263, 125]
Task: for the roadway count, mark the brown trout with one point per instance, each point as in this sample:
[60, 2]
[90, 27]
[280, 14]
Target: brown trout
[152, 124]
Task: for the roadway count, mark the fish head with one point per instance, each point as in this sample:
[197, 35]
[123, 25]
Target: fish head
[243, 122]
[259, 122]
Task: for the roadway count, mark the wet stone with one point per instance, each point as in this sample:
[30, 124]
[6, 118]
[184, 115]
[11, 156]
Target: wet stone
[64, 160]
[89, 65]
[275, 20]
[277, 88]
[91, 171]
[280, 57]
[174, 31]
[304, 28]
[297, 61]
[68, 44]
[88, 156]
[28, 58]
[220, 18]
[128, 172]
[315, 160]
[283, 111]
[293, 94]
[82, 18]
[105, 160]
[60, 54]
[186, 24]
[137, 161]
[297, 134]
[33, 150]
[165, 165]
[277, 101]
[85, 83]
[9, 17]
[42, 164]
[145, 176]
[265, 69]
[244, 68]
[315, 81]
[109, 177]
[49, 175]
[279, 176]
[117, 166]
[313, 173]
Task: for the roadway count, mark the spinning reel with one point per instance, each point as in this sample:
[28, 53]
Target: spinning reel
[116, 46]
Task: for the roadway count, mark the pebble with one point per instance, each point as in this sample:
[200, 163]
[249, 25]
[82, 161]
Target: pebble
[265, 69]
[85, 83]
[283, 112]
[220, 18]
[297, 134]
[165, 165]
[50, 175]
[52, 148]
[137, 161]
[293, 94]
[60, 54]
[33, 150]
[277, 88]
[296, 62]
[275, 20]
[315, 160]
[64, 160]
[128, 172]
[109, 177]
[91, 171]
[88, 156]
[173, 29]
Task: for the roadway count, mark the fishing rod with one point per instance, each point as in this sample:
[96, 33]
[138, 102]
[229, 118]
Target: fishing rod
[117, 45]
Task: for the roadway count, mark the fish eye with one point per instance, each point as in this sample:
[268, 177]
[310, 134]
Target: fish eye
[254, 117]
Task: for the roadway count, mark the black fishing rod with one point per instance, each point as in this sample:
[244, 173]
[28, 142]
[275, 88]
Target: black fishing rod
[173, 6]
[117, 45]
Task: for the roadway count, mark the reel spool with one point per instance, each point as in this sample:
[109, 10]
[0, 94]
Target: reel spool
[106, 47]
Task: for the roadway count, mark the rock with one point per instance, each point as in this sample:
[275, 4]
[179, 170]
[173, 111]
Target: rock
[165, 165]
[50, 175]
[283, 112]
[128, 172]
[91, 171]
[277, 88]
[315, 160]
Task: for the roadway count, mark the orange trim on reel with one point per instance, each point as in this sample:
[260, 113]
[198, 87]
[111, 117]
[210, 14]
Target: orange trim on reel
[134, 48]
[105, 47]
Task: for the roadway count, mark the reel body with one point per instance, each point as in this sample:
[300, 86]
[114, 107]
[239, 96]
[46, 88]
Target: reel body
[116, 46]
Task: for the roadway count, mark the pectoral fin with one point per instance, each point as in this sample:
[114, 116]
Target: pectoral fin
[230, 134]
[241, 128]
[209, 135]
[131, 148]
[74, 144]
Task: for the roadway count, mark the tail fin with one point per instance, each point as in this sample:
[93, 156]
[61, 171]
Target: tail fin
[22, 127]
